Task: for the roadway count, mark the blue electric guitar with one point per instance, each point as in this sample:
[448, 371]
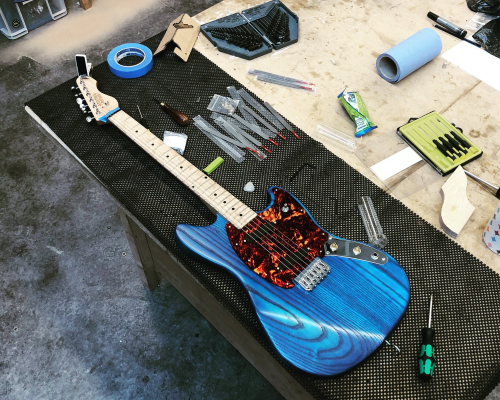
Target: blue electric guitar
[326, 303]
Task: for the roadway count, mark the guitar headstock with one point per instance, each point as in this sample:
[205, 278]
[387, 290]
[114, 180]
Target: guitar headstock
[91, 100]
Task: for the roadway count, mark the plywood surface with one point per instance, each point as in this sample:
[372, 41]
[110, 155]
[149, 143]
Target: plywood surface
[339, 43]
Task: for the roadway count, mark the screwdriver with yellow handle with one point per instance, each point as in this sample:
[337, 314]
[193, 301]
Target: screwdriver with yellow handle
[426, 360]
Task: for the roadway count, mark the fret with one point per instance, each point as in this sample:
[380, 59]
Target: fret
[159, 151]
[210, 191]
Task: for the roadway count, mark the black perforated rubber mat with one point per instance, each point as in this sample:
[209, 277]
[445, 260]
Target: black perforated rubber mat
[466, 312]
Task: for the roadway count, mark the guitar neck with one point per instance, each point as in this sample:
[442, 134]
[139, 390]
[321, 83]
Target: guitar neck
[208, 190]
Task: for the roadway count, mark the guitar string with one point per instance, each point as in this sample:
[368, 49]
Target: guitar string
[270, 253]
[294, 246]
[301, 262]
[291, 256]
[284, 259]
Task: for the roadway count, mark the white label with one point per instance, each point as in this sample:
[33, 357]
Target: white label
[395, 163]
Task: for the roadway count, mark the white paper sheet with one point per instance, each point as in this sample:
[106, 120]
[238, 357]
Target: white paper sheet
[476, 62]
[395, 163]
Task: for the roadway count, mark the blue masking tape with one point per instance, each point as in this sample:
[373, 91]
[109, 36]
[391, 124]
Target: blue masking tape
[409, 55]
[130, 49]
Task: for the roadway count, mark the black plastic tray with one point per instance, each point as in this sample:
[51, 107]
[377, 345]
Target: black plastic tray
[253, 17]
[254, 14]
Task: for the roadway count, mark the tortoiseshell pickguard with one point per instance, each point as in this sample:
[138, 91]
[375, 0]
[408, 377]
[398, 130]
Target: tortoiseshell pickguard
[264, 255]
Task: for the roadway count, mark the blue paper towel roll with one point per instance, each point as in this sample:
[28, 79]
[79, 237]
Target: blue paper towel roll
[409, 55]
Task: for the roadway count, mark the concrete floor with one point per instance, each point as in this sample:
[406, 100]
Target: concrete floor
[75, 321]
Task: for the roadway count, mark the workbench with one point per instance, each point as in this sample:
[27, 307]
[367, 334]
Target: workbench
[337, 48]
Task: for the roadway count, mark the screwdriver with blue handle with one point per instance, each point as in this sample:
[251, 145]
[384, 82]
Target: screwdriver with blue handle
[426, 360]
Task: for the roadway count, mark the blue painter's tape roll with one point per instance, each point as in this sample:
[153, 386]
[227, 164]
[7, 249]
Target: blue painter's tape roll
[409, 55]
[130, 49]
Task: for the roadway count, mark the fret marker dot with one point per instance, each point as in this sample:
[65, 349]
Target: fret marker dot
[215, 194]
[224, 201]
[232, 208]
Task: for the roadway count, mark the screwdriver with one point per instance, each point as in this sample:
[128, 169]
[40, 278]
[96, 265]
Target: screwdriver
[441, 148]
[462, 141]
[445, 142]
[452, 140]
[177, 116]
[426, 360]
[143, 120]
[476, 178]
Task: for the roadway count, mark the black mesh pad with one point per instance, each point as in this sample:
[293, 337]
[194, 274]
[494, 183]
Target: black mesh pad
[466, 312]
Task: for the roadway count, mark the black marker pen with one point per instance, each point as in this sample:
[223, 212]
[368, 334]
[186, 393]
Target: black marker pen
[448, 25]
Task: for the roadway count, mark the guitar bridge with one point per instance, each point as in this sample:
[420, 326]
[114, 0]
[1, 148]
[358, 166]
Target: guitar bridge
[313, 274]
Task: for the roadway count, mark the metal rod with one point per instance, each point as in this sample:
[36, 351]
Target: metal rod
[480, 180]
[430, 312]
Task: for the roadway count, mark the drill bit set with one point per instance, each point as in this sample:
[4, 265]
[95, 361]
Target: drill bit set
[275, 24]
[440, 143]
[241, 36]
[254, 32]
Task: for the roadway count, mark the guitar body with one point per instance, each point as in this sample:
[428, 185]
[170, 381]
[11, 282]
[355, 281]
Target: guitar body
[324, 331]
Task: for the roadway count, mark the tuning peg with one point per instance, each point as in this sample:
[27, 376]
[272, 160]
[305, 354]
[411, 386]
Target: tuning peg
[75, 88]
[80, 101]
[89, 119]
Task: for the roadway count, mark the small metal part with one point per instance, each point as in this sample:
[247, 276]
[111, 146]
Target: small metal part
[89, 119]
[313, 274]
[396, 349]
[430, 312]
[476, 178]
[285, 208]
[374, 256]
[352, 249]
